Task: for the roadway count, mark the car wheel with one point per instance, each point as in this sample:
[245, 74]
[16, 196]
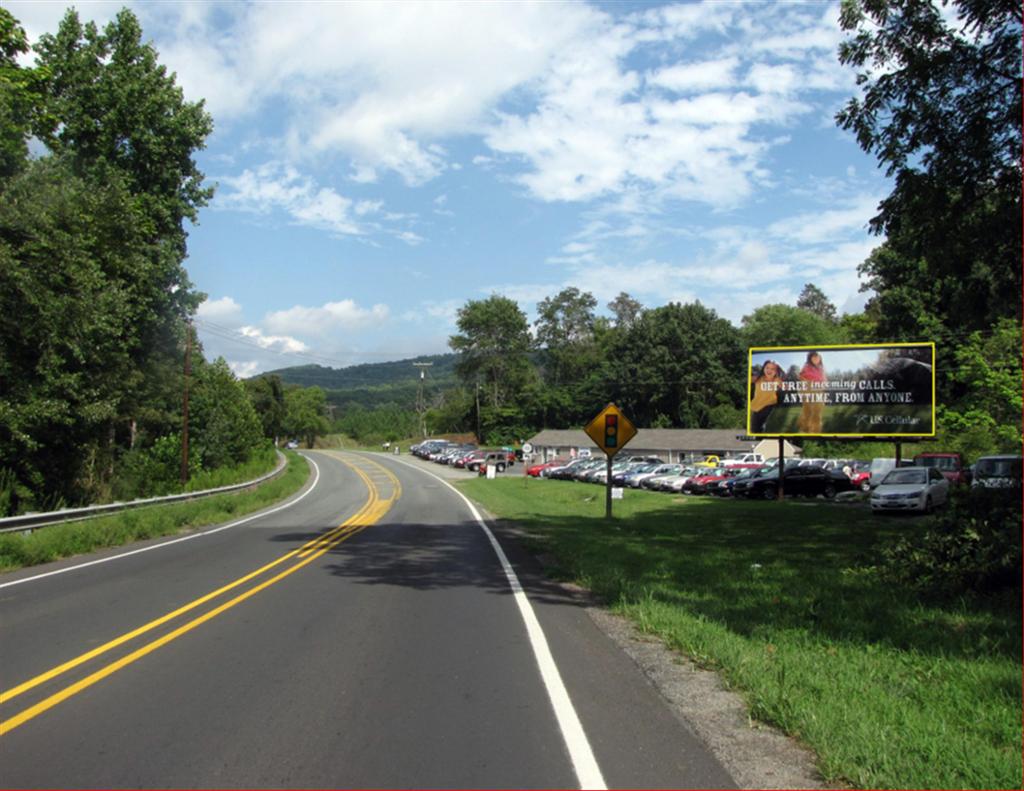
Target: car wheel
[829, 492]
[769, 493]
[865, 486]
[501, 467]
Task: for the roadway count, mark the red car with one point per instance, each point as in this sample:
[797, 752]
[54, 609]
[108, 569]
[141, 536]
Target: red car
[700, 483]
[537, 469]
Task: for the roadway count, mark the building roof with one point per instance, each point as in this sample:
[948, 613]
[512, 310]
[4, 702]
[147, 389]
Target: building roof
[676, 439]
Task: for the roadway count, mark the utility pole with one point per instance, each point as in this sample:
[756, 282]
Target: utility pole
[184, 408]
[478, 437]
[421, 404]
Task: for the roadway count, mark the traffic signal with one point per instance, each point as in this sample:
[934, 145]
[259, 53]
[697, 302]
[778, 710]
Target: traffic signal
[611, 431]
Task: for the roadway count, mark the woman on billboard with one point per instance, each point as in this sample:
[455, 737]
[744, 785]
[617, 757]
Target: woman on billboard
[766, 395]
[811, 412]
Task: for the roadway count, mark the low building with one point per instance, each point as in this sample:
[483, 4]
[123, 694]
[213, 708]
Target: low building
[668, 444]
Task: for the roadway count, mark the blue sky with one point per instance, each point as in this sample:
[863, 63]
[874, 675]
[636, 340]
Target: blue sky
[379, 164]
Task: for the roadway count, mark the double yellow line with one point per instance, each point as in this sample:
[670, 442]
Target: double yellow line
[372, 510]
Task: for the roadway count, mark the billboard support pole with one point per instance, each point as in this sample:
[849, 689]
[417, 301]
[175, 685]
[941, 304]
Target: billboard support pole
[899, 453]
[782, 468]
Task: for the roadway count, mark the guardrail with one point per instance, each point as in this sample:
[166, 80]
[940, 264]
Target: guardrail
[27, 522]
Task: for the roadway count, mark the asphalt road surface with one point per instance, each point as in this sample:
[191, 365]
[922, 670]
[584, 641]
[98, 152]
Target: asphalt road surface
[370, 633]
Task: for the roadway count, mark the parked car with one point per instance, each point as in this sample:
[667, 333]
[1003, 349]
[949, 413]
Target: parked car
[625, 477]
[493, 458]
[800, 481]
[997, 472]
[565, 472]
[637, 481]
[699, 484]
[951, 465]
[675, 483]
[910, 489]
[537, 470]
[724, 487]
[743, 460]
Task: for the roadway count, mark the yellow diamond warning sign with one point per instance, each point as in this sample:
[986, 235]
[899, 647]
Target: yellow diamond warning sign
[611, 429]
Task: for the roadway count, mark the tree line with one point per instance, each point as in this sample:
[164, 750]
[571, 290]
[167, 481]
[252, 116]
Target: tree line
[96, 302]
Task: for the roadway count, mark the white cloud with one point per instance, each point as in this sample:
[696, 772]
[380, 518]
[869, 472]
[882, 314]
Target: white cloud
[699, 76]
[243, 369]
[276, 185]
[344, 314]
[222, 311]
[275, 343]
[827, 226]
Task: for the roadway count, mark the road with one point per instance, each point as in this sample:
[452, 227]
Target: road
[368, 633]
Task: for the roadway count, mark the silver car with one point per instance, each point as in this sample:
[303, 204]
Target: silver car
[910, 489]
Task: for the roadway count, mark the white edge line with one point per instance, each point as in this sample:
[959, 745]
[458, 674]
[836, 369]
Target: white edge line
[163, 544]
[588, 773]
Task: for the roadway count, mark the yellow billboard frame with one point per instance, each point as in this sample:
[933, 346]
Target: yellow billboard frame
[888, 436]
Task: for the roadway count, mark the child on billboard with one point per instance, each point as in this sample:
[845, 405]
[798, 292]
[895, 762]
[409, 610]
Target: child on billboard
[766, 395]
[811, 411]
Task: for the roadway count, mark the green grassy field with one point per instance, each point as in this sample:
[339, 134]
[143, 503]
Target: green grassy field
[889, 690]
[73, 538]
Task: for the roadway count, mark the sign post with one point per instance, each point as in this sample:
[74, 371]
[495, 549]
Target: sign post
[611, 430]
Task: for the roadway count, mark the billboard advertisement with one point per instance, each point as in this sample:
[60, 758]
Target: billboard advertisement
[878, 390]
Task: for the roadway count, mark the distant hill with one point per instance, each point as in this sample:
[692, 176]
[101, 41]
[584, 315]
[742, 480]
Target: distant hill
[373, 384]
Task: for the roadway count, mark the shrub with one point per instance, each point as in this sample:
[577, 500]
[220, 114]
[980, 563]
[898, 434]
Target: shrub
[972, 546]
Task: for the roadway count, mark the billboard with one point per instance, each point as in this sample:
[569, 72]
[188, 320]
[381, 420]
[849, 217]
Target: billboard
[877, 390]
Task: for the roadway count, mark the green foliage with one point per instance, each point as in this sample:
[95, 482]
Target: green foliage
[373, 426]
[71, 323]
[367, 377]
[91, 250]
[224, 429]
[119, 108]
[785, 325]
[266, 394]
[941, 109]
[973, 546]
[625, 309]
[21, 97]
[305, 414]
[813, 300]
[677, 360]
[492, 345]
[153, 471]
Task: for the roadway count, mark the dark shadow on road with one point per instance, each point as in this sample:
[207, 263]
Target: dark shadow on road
[435, 556]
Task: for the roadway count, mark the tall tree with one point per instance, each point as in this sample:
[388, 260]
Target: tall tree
[492, 344]
[224, 427]
[306, 413]
[625, 309]
[92, 242]
[565, 331]
[267, 396]
[674, 366]
[21, 97]
[941, 109]
[813, 300]
[784, 325]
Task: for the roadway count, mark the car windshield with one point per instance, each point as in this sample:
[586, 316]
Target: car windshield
[947, 463]
[998, 468]
[906, 476]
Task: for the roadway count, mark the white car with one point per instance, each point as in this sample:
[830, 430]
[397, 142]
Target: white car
[910, 489]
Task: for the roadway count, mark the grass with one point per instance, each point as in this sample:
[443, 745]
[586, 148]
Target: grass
[890, 691]
[53, 542]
